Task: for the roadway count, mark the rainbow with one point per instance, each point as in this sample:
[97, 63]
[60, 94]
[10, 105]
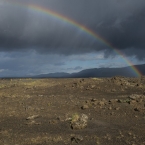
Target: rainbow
[79, 26]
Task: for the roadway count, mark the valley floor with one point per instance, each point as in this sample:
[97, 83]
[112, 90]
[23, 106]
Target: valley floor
[90, 111]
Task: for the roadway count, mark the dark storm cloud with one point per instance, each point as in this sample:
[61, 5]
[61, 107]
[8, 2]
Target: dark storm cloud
[29, 63]
[121, 23]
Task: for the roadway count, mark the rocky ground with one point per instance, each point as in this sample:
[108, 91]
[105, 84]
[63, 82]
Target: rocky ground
[92, 111]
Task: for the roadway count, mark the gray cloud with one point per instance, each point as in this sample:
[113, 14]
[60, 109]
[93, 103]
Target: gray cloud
[121, 23]
[29, 63]
[75, 69]
[59, 63]
[78, 68]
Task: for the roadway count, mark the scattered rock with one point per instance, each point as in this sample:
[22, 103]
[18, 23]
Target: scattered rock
[32, 117]
[108, 137]
[117, 108]
[113, 100]
[140, 100]
[57, 139]
[122, 90]
[92, 86]
[63, 101]
[136, 109]
[75, 85]
[123, 101]
[104, 99]
[101, 103]
[33, 122]
[93, 100]
[112, 113]
[134, 96]
[129, 133]
[81, 87]
[76, 138]
[40, 95]
[85, 107]
[120, 101]
[110, 108]
[82, 80]
[132, 102]
[88, 102]
[113, 90]
[53, 121]
[80, 122]
[88, 88]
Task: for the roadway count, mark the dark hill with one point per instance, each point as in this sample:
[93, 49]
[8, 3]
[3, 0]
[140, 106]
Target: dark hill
[97, 72]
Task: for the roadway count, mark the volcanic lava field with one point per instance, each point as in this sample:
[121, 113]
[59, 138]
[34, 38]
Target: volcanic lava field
[85, 111]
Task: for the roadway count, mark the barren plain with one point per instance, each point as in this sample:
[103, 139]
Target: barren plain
[90, 111]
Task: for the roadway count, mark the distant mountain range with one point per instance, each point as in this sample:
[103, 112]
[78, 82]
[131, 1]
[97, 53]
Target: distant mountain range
[97, 72]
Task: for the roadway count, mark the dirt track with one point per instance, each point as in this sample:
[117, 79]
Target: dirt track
[94, 111]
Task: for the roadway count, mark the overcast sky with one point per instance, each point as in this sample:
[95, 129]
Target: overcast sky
[32, 42]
